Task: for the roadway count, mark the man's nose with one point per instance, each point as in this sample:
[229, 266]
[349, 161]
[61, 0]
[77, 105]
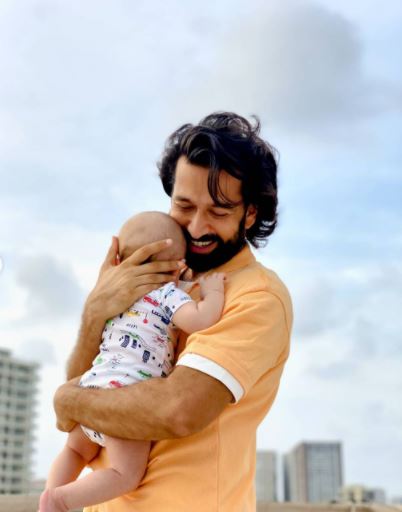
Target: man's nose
[198, 226]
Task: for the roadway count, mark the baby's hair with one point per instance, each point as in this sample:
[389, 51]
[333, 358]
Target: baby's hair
[147, 227]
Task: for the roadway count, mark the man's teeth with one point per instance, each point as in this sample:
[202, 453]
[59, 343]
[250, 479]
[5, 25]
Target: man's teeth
[201, 244]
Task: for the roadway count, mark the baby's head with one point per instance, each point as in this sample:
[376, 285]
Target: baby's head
[147, 227]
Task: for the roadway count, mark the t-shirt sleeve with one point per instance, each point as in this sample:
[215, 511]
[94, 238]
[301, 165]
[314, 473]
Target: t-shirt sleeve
[212, 369]
[251, 338]
[172, 299]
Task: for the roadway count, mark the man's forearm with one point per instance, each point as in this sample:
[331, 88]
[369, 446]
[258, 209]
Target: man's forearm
[87, 345]
[146, 410]
[179, 405]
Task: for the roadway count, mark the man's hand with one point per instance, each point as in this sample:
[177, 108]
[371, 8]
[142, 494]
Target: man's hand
[121, 284]
[63, 398]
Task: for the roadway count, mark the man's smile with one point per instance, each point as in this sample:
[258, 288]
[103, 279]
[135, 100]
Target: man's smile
[204, 247]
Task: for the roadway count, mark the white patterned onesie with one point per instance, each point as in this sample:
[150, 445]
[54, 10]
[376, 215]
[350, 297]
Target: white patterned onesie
[137, 344]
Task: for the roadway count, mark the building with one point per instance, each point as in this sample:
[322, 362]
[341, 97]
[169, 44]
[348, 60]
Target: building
[362, 494]
[378, 495]
[37, 486]
[313, 472]
[266, 477]
[17, 403]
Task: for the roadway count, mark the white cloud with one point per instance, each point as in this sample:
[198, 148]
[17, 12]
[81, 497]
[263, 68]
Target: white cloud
[314, 305]
[358, 304]
[52, 289]
[300, 66]
[36, 350]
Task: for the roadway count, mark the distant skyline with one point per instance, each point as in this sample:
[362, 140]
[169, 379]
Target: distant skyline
[274, 468]
[88, 95]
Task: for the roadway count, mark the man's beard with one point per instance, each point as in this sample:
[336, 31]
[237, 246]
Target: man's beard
[223, 252]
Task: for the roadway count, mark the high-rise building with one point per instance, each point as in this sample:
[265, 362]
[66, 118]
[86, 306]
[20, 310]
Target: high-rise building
[313, 472]
[362, 494]
[266, 476]
[17, 404]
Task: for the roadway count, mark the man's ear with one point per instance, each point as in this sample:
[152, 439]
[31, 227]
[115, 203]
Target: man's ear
[251, 215]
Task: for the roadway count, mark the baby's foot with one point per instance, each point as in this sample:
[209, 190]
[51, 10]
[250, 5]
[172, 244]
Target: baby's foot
[50, 502]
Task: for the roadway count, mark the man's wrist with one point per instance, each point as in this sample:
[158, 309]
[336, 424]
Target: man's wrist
[93, 312]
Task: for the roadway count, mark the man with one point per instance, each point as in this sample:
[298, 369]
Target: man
[221, 177]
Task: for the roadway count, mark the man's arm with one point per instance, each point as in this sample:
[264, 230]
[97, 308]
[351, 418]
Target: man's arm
[118, 286]
[87, 345]
[180, 405]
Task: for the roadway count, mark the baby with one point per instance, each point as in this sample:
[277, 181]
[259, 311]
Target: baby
[136, 345]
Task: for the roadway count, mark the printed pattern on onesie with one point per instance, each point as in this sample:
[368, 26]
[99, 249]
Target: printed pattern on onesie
[139, 343]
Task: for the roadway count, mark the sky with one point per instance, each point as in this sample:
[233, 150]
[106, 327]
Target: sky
[90, 91]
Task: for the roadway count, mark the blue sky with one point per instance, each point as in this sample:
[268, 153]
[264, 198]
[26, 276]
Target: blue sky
[88, 95]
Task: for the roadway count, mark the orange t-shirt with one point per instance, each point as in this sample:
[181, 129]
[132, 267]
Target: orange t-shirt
[213, 470]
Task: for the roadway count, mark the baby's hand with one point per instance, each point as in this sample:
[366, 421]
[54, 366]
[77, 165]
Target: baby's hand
[212, 283]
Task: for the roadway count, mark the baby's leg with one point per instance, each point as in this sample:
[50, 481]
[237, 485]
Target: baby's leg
[76, 454]
[128, 461]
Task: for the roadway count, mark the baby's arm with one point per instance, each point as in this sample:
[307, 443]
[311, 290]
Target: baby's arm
[195, 316]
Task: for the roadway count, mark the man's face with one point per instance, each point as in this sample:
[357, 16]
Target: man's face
[214, 233]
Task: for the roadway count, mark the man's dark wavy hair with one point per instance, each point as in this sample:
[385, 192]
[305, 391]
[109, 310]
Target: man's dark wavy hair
[227, 141]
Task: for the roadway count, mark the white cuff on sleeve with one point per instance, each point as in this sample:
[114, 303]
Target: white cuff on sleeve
[205, 365]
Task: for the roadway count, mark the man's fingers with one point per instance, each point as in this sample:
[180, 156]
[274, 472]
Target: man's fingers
[182, 271]
[157, 279]
[187, 274]
[155, 267]
[112, 253]
[148, 250]
[176, 277]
